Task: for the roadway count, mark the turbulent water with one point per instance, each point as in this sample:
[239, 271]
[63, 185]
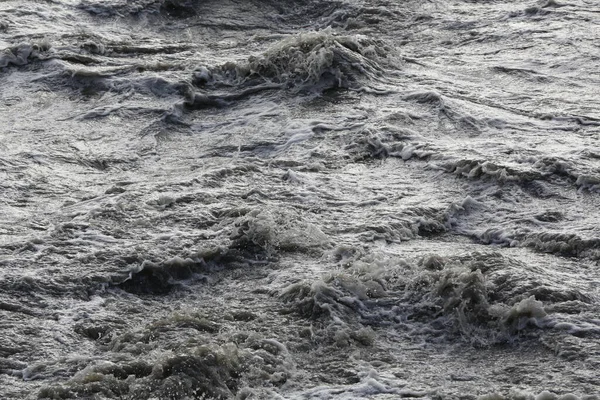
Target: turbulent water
[265, 199]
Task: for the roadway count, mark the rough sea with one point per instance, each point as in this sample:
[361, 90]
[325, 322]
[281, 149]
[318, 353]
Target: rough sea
[300, 199]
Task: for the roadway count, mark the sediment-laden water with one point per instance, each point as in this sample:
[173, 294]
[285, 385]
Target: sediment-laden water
[260, 199]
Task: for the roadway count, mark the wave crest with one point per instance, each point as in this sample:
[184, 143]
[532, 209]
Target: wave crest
[319, 59]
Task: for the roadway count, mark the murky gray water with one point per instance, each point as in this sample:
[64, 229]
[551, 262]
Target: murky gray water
[299, 199]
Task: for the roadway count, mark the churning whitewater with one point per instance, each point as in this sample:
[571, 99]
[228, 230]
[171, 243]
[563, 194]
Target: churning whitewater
[300, 199]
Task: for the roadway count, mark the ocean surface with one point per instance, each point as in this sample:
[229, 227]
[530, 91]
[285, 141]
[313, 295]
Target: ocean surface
[276, 199]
